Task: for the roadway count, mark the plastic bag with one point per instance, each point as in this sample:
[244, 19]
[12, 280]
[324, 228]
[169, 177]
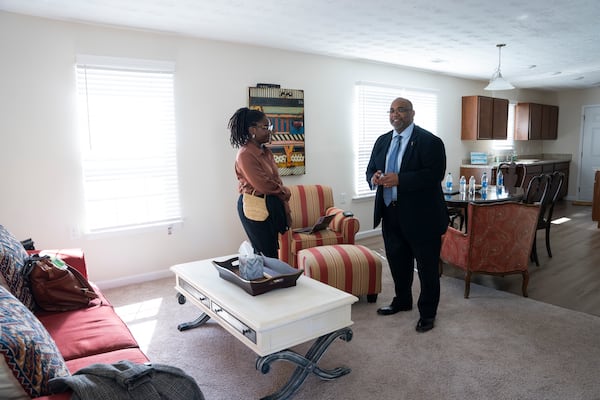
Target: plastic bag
[251, 264]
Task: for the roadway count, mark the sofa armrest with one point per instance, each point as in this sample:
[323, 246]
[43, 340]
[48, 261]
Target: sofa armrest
[74, 257]
[347, 226]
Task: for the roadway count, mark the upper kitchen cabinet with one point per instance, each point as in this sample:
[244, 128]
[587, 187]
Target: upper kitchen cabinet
[536, 122]
[484, 118]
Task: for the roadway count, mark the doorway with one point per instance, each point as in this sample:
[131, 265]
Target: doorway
[590, 152]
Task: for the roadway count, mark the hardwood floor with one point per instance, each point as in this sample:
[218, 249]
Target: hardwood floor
[570, 279]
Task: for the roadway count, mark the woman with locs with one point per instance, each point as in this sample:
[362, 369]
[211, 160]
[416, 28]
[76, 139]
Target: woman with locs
[258, 173]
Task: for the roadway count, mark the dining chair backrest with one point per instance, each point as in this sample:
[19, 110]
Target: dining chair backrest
[514, 174]
[555, 182]
[536, 190]
[547, 200]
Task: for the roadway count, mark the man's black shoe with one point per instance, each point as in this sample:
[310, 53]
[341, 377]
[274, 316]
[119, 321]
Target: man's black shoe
[425, 324]
[392, 309]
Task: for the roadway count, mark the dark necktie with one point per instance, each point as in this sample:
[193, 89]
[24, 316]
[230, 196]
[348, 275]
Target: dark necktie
[389, 194]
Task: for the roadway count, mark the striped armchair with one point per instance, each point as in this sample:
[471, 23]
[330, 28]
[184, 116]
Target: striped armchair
[308, 203]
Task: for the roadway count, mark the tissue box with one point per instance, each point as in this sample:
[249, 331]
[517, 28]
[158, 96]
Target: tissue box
[478, 158]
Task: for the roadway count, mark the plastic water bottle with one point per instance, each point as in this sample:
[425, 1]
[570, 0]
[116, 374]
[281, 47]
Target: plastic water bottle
[463, 184]
[472, 185]
[499, 182]
[484, 182]
[449, 182]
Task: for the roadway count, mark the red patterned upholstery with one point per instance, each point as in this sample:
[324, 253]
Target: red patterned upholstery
[308, 203]
[351, 268]
[498, 242]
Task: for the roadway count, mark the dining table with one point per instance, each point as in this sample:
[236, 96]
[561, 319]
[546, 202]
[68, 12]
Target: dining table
[493, 194]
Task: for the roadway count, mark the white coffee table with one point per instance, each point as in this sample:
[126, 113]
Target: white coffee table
[272, 322]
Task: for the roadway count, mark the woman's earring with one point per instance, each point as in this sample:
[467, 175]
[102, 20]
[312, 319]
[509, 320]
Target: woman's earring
[253, 136]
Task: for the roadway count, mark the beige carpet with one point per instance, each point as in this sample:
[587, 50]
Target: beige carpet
[494, 345]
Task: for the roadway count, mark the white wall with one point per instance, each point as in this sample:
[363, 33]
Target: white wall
[42, 195]
[570, 125]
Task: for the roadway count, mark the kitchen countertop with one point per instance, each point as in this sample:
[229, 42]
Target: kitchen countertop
[528, 161]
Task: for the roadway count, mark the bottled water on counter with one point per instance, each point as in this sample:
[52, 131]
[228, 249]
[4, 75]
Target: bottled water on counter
[499, 182]
[484, 182]
[500, 179]
[472, 185]
[449, 182]
[463, 184]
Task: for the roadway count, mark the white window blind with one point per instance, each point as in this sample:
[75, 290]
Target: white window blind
[127, 125]
[372, 120]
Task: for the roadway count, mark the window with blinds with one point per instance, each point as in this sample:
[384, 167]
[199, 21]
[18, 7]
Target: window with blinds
[372, 120]
[127, 126]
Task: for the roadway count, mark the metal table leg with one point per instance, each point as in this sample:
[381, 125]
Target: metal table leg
[184, 326]
[306, 364]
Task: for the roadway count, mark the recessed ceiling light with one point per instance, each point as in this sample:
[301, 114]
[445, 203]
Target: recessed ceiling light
[532, 66]
[578, 78]
[437, 60]
[556, 73]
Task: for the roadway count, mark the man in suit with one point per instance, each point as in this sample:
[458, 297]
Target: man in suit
[407, 167]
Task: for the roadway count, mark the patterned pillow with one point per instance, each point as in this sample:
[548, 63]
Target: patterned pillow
[29, 357]
[12, 261]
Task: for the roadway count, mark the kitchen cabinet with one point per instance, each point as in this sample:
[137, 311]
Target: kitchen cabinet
[596, 199]
[536, 122]
[484, 118]
[549, 122]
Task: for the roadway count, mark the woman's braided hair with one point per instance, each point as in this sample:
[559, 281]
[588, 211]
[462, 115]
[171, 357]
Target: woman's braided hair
[240, 123]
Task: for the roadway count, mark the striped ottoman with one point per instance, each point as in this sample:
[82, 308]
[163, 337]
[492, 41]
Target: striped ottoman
[355, 269]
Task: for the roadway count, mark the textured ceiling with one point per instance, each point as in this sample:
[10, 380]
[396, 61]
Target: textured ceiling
[550, 44]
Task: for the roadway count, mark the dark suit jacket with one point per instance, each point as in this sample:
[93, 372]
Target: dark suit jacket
[423, 209]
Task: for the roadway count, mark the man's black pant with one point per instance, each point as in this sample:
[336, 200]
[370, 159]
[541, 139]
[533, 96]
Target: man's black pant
[402, 250]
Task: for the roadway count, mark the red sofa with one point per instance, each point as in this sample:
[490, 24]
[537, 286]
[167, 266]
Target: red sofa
[90, 335]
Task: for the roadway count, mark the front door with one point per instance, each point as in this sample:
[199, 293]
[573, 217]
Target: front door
[590, 154]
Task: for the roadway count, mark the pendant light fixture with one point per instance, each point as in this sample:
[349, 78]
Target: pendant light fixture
[498, 82]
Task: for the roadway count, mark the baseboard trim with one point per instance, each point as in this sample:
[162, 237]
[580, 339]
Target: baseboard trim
[368, 233]
[134, 280]
[582, 203]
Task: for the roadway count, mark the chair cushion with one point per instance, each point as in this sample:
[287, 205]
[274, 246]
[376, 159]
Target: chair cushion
[88, 331]
[323, 238]
[30, 357]
[354, 269]
[12, 263]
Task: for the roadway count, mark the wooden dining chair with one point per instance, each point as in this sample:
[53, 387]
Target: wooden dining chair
[536, 189]
[514, 174]
[555, 182]
[537, 193]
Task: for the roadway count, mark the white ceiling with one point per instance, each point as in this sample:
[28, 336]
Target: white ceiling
[550, 44]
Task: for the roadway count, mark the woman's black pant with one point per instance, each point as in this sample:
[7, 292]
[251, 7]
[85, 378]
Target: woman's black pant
[262, 234]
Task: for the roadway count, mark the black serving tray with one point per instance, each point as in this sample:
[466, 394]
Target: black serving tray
[277, 274]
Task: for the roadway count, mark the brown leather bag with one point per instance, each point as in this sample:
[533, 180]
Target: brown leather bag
[59, 288]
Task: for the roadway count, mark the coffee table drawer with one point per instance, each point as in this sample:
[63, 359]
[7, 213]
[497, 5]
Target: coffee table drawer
[234, 322]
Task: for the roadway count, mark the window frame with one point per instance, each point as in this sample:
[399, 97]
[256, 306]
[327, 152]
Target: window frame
[127, 138]
[372, 102]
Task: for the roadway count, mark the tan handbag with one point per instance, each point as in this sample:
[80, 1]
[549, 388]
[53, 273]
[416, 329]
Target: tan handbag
[255, 207]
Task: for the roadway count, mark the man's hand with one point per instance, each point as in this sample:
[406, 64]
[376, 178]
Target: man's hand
[388, 180]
